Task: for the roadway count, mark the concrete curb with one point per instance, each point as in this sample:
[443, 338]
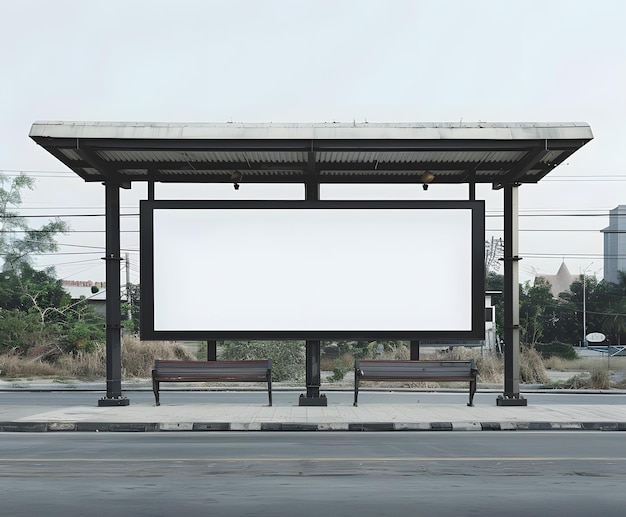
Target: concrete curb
[42, 427]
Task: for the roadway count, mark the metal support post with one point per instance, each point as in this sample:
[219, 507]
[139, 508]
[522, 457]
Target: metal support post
[211, 350]
[313, 376]
[113, 260]
[511, 395]
[415, 350]
[313, 347]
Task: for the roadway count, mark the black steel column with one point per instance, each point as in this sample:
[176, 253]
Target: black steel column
[511, 395]
[113, 260]
[211, 350]
[313, 347]
[415, 350]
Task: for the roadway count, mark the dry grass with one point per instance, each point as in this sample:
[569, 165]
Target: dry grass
[531, 369]
[621, 385]
[84, 365]
[342, 361]
[490, 366]
[13, 365]
[138, 358]
[400, 353]
[137, 361]
[594, 372]
[583, 363]
[598, 379]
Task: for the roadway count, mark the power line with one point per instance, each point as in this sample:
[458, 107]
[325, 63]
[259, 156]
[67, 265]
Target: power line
[48, 216]
[529, 212]
[70, 231]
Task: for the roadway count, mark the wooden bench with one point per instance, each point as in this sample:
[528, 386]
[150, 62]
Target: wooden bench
[421, 371]
[211, 371]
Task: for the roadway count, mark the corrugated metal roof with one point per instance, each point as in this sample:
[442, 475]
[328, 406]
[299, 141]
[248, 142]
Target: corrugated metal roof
[496, 153]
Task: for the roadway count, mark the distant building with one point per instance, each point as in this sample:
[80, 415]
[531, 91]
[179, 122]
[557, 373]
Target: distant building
[560, 282]
[85, 289]
[615, 244]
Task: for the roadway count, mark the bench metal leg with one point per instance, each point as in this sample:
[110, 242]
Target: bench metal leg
[155, 388]
[472, 392]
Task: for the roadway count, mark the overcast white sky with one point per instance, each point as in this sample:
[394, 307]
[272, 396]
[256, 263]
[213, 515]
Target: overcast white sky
[321, 61]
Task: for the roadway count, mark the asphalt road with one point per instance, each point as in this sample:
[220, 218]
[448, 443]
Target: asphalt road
[312, 474]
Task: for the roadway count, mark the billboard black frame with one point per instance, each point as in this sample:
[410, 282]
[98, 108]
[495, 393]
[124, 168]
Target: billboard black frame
[147, 328]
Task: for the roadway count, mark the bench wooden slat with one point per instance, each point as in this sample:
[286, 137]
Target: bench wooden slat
[207, 371]
[408, 370]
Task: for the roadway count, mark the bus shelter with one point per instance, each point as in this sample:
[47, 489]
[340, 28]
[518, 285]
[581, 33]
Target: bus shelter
[505, 155]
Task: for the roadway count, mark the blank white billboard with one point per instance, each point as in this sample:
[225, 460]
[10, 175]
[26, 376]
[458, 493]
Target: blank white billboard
[303, 270]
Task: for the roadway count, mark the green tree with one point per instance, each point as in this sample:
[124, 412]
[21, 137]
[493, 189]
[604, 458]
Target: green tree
[35, 310]
[598, 299]
[537, 314]
[288, 357]
[567, 327]
[23, 287]
[621, 281]
[614, 323]
[494, 282]
[82, 329]
[18, 242]
[132, 305]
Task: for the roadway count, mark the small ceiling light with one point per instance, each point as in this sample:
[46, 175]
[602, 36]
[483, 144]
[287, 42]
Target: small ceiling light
[235, 177]
[427, 178]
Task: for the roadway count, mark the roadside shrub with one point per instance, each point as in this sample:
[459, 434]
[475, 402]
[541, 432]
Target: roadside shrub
[556, 349]
[490, 366]
[621, 385]
[85, 364]
[90, 364]
[555, 363]
[600, 379]
[340, 366]
[531, 367]
[22, 330]
[399, 352]
[138, 356]
[288, 357]
[358, 349]
[577, 382]
[339, 371]
[14, 365]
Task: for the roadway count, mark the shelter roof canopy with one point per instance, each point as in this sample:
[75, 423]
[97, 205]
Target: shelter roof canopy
[497, 153]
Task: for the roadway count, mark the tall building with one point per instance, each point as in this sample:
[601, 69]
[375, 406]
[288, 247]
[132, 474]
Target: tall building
[615, 244]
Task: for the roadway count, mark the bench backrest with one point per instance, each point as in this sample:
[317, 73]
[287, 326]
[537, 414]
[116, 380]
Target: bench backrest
[213, 369]
[403, 370]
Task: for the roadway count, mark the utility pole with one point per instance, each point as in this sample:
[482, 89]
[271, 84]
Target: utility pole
[585, 305]
[127, 265]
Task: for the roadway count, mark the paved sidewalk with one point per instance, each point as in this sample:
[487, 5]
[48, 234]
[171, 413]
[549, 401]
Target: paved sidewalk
[336, 417]
[375, 417]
